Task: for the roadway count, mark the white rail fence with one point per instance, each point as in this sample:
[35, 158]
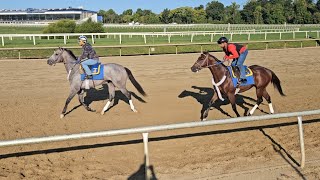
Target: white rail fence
[149, 129]
[151, 35]
[151, 47]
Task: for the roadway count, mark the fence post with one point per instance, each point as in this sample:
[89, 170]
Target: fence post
[280, 35]
[294, 35]
[192, 37]
[64, 39]
[120, 39]
[2, 39]
[248, 36]
[120, 51]
[146, 156]
[169, 38]
[265, 36]
[92, 39]
[317, 34]
[34, 40]
[19, 54]
[266, 45]
[201, 49]
[211, 38]
[145, 39]
[176, 49]
[149, 50]
[303, 156]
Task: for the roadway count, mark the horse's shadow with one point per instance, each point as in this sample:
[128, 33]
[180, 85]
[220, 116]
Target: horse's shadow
[102, 93]
[205, 94]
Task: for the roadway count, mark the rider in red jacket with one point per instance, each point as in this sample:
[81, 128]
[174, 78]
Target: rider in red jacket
[237, 53]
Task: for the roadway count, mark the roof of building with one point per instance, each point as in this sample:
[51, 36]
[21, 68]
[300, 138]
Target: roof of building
[33, 10]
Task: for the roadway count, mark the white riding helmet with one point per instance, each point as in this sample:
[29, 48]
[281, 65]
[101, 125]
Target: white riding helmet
[82, 38]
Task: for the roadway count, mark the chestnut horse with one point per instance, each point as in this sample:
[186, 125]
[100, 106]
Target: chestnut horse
[224, 85]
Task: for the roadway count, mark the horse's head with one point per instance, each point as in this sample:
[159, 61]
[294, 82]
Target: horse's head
[56, 57]
[62, 55]
[203, 61]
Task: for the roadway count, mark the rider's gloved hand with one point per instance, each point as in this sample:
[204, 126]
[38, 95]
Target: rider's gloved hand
[78, 61]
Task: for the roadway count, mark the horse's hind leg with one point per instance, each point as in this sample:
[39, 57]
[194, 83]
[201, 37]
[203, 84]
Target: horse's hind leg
[232, 99]
[259, 93]
[128, 95]
[268, 98]
[81, 100]
[111, 90]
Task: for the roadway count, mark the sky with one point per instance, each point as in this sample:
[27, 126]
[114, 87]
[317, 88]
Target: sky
[119, 6]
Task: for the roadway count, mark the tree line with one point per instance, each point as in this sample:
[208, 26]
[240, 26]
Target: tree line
[253, 12]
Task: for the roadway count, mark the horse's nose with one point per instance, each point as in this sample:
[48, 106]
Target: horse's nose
[193, 69]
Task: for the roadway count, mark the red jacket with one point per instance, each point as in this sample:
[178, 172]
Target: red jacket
[233, 51]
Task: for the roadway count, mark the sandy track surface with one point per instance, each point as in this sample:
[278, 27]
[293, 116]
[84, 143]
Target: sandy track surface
[32, 95]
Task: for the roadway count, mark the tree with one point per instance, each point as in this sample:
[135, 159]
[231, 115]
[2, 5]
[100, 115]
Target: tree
[273, 14]
[316, 18]
[199, 7]
[258, 15]
[182, 15]
[109, 16]
[288, 9]
[318, 5]
[199, 16]
[215, 11]
[164, 16]
[232, 14]
[248, 11]
[302, 15]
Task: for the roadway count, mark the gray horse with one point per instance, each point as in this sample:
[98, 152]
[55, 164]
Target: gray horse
[115, 75]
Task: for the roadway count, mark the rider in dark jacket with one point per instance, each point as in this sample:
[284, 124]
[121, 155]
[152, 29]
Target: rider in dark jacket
[88, 55]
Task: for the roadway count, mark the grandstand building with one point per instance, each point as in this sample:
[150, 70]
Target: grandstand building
[32, 15]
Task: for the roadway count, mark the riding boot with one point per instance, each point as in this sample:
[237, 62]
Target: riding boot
[89, 76]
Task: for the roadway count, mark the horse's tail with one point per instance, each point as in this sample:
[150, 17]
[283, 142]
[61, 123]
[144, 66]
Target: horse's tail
[276, 83]
[135, 82]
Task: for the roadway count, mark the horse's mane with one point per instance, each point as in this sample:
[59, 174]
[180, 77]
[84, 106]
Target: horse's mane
[219, 61]
[70, 53]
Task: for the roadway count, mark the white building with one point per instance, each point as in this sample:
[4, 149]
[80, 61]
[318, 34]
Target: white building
[31, 15]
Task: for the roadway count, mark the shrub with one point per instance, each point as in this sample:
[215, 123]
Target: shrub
[89, 27]
[62, 26]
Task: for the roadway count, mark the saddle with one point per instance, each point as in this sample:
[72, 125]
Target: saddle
[97, 71]
[235, 75]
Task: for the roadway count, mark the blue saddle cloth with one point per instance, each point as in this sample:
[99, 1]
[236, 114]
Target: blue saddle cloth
[97, 72]
[249, 77]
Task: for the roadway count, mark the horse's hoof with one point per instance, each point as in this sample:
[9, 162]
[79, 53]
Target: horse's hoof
[102, 113]
[203, 119]
[92, 110]
[134, 110]
[61, 116]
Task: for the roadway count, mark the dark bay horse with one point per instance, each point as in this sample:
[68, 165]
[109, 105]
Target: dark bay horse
[115, 75]
[224, 86]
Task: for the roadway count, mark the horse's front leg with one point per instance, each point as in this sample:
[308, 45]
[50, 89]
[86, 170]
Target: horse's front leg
[232, 99]
[81, 100]
[71, 95]
[212, 101]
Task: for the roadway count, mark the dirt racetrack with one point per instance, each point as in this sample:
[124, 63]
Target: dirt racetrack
[32, 95]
